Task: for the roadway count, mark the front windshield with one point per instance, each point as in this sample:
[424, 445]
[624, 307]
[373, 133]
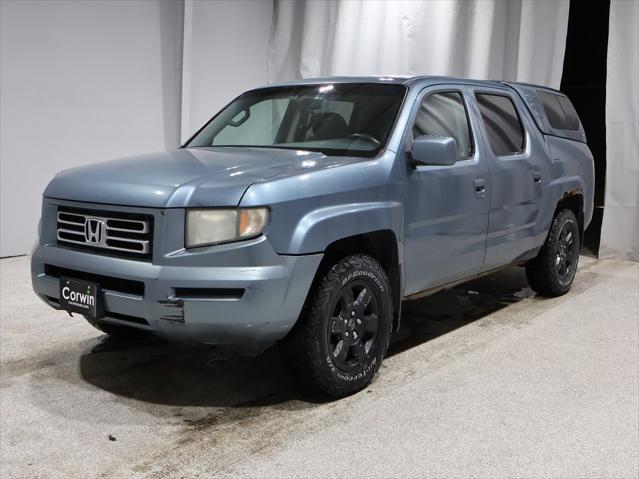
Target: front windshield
[352, 119]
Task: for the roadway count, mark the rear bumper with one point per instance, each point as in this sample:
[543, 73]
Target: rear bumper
[191, 296]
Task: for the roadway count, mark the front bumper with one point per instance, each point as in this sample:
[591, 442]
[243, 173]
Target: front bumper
[239, 293]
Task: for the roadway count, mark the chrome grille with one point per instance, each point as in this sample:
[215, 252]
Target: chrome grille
[121, 233]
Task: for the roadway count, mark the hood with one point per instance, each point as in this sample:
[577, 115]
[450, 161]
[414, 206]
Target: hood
[186, 177]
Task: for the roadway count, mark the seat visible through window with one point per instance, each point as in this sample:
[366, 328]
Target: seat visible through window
[329, 126]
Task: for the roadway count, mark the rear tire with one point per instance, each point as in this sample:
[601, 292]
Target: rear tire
[342, 335]
[117, 331]
[551, 273]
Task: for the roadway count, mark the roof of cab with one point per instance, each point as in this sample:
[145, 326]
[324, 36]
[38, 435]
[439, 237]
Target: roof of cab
[404, 80]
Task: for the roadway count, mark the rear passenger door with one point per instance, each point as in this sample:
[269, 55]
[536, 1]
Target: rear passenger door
[446, 207]
[517, 174]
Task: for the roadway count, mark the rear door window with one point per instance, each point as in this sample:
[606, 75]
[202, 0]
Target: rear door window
[503, 126]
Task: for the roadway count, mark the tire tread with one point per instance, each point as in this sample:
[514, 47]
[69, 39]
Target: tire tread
[541, 271]
[301, 349]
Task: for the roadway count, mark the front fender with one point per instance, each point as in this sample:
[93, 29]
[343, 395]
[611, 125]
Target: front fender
[321, 227]
[347, 197]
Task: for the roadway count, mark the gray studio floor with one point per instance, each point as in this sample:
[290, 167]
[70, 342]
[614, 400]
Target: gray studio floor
[486, 380]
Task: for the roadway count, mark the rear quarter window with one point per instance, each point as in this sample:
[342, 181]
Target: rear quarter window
[559, 111]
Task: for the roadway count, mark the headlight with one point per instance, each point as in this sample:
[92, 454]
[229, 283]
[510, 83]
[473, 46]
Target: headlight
[209, 226]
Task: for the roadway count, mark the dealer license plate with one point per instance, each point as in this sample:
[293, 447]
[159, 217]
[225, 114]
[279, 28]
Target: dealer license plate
[81, 297]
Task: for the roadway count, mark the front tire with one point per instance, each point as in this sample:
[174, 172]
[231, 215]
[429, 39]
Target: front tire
[551, 273]
[342, 335]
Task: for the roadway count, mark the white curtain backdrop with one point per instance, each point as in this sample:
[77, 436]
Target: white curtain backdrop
[509, 40]
[620, 227]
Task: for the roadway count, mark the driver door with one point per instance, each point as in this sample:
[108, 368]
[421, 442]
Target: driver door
[446, 208]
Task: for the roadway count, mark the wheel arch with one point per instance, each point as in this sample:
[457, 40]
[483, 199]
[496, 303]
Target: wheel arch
[383, 246]
[573, 201]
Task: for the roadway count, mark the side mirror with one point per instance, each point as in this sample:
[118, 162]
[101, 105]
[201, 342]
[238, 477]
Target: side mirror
[433, 150]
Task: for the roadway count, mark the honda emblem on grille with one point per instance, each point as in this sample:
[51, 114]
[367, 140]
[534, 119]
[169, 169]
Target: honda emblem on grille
[94, 229]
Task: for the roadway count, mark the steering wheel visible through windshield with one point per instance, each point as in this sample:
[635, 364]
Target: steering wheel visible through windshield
[336, 119]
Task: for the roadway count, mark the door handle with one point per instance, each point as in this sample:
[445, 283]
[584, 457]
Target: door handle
[479, 185]
[536, 176]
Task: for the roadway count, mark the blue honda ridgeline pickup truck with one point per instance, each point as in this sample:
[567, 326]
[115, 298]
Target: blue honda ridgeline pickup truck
[304, 213]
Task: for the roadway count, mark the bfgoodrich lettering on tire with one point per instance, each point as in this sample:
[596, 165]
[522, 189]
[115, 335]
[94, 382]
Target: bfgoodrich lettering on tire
[341, 337]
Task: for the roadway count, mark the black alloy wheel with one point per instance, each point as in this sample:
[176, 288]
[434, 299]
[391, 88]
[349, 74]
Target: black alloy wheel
[567, 253]
[552, 272]
[353, 326]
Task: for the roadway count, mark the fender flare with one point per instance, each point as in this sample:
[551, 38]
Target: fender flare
[323, 226]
